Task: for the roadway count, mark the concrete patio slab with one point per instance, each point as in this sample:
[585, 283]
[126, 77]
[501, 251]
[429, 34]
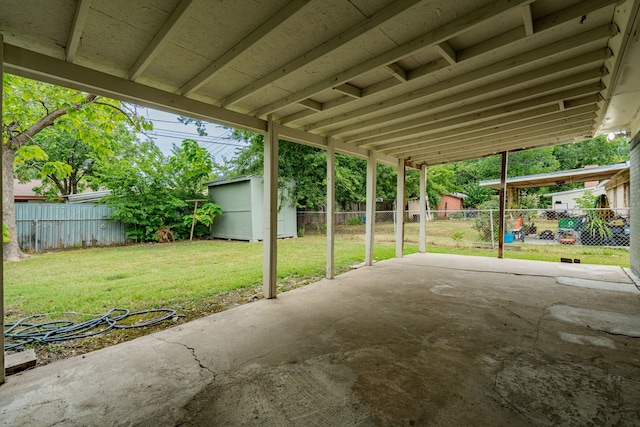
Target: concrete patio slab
[423, 340]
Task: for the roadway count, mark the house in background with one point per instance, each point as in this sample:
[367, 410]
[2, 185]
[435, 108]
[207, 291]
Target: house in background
[23, 193]
[566, 200]
[618, 190]
[450, 202]
[613, 179]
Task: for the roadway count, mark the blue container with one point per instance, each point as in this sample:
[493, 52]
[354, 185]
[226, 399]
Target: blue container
[508, 237]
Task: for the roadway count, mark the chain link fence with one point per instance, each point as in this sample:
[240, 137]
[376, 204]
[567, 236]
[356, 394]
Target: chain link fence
[535, 230]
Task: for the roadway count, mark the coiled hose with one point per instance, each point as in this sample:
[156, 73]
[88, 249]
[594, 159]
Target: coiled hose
[24, 331]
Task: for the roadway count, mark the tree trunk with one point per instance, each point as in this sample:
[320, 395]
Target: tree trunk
[11, 250]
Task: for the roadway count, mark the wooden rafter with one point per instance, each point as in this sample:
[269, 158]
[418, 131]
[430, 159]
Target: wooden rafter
[541, 24]
[273, 23]
[438, 35]
[79, 19]
[527, 17]
[490, 71]
[342, 39]
[447, 52]
[160, 39]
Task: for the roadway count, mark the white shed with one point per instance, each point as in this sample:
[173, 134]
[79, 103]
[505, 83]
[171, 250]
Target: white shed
[242, 201]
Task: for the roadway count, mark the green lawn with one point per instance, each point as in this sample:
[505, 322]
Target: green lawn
[181, 274]
[162, 275]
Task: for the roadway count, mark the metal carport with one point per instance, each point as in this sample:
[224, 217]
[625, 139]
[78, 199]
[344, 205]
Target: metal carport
[408, 83]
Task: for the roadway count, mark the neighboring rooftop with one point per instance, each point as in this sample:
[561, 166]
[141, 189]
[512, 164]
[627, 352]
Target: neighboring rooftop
[572, 176]
[23, 192]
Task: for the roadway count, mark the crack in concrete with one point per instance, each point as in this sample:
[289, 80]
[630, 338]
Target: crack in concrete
[193, 353]
[535, 341]
[537, 325]
[617, 334]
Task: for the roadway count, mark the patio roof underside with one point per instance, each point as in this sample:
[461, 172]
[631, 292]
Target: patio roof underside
[429, 82]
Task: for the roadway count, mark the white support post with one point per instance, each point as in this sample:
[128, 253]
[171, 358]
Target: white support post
[400, 209]
[422, 238]
[371, 207]
[2, 379]
[634, 199]
[331, 205]
[270, 223]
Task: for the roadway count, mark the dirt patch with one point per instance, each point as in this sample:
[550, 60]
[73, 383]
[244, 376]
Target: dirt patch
[50, 352]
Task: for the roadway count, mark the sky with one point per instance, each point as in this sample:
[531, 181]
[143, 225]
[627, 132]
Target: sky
[167, 130]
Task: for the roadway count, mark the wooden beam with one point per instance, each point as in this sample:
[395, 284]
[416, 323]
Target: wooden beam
[79, 19]
[386, 14]
[20, 361]
[349, 90]
[554, 20]
[495, 121]
[273, 23]
[492, 70]
[325, 106]
[503, 196]
[438, 35]
[313, 140]
[270, 221]
[447, 52]
[485, 143]
[311, 104]
[300, 115]
[397, 71]
[527, 17]
[520, 121]
[331, 207]
[594, 75]
[542, 24]
[36, 66]
[559, 135]
[370, 208]
[160, 39]
[399, 223]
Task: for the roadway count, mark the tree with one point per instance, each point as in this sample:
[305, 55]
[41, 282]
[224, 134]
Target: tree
[476, 195]
[303, 166]
[149, 190]
[31, 109]
[306, 168]
[68, 165]
[191, 166]
[440, 181]
[596, 151]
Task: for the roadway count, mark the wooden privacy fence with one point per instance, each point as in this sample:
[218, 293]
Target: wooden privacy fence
[46, 226]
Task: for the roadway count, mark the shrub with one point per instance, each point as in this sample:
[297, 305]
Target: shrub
[355, 220]
[482, 222]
